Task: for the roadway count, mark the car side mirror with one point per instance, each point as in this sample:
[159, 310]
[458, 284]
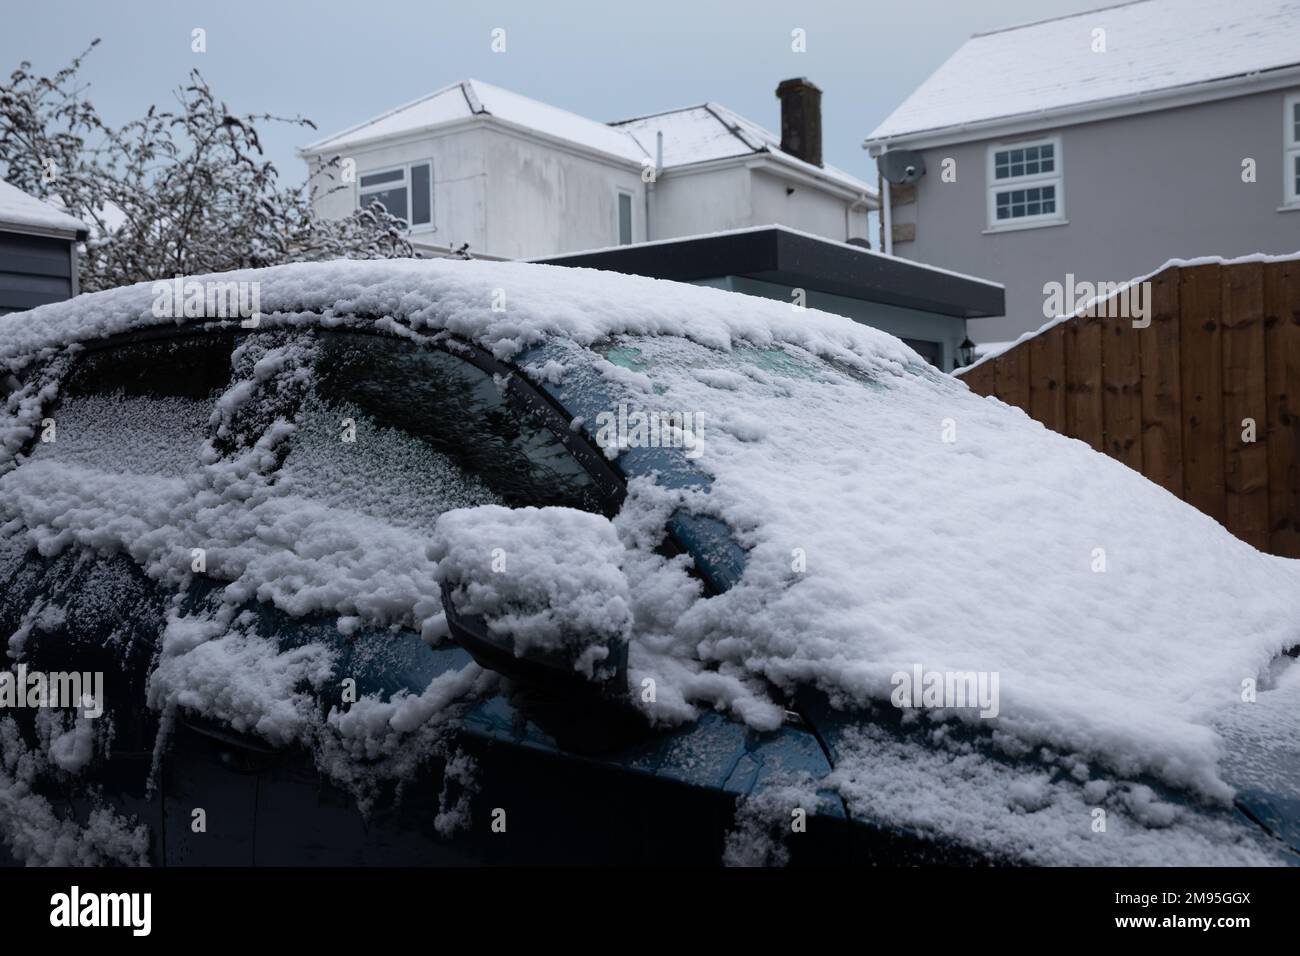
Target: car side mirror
[538, 595]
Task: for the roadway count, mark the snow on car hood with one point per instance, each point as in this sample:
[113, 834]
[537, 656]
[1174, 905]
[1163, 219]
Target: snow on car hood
[894, 522]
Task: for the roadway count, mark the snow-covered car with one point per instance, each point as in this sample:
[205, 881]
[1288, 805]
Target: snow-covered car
[442, 562]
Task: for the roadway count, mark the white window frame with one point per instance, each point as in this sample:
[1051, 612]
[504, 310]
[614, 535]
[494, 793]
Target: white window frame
[405, 170]
[1055, 178]
[1290, 150]
[631, 211]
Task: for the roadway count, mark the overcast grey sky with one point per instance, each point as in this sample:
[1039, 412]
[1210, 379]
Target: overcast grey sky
[342, 62]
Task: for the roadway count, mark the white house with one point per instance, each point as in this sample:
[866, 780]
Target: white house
[473, 164]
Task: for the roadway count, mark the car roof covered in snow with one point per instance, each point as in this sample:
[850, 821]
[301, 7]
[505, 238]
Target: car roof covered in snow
[1042, 72]
[503, 306]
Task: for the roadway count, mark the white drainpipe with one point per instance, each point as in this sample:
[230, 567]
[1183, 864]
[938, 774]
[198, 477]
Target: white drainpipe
[848, 217]
[650, 186]
[887, 218]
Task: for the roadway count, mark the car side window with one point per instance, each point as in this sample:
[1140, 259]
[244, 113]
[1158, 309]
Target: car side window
[405, 431]
[138, 408]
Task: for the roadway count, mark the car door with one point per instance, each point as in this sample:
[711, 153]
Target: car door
[128, 419]
[401, 431]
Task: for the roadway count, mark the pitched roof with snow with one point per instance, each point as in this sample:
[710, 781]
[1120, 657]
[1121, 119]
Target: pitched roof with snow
[20, 212]
[701, 134]
[470, 98]
[1153, 48]
[697, 134]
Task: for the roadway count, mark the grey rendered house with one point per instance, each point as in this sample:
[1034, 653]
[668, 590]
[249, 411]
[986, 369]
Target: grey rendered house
[38, 251]
[1095, 147]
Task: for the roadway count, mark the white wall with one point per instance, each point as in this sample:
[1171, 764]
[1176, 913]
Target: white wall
[807, 208]
[459, 206]
[688, 203]
[545, 200]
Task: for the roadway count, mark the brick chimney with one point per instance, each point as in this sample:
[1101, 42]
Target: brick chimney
[801, 119]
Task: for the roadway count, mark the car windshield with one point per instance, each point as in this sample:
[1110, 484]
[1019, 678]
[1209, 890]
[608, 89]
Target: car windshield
[656, 402]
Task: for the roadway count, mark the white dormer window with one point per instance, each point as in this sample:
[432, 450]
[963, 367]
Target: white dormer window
[1026, 186]
[1291, 149]
[405, 191]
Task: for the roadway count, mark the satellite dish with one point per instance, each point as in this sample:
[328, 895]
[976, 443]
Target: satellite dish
[901, 166]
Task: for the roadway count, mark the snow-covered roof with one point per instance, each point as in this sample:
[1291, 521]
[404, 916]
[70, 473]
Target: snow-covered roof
[929, 528]
[709, 132]
[468, 98]
[1153, 48]
[696, 134]
[20, 212]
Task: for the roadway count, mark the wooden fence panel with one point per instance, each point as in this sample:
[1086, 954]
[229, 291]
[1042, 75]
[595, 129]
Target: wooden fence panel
[1084, 415]
[1201, 361]
[1162, 426]
[1012, 377]
[1121, 378]
[1282, 341]
[1245, 404]
[1047, 377]
[982, 378]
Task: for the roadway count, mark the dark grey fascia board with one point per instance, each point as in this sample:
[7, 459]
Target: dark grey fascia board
[796, 260]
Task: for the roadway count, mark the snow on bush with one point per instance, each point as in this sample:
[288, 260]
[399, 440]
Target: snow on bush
[548, 579]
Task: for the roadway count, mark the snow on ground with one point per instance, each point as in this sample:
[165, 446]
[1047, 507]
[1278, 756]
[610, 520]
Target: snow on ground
[892, 519]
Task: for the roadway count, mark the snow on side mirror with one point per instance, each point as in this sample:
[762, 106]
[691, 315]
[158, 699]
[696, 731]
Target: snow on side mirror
[537, 594]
